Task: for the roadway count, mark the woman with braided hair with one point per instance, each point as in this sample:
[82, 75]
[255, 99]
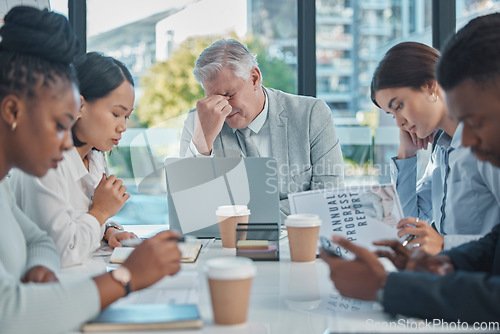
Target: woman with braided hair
[73, 202]
[39, 102]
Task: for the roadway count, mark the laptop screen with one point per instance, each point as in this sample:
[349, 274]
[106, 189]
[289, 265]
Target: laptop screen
[196, 187]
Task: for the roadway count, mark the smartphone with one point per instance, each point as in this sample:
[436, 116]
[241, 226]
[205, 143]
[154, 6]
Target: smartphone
[329, 247]
[333, 249]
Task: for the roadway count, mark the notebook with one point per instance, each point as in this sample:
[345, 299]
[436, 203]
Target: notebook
[143, 317]
[196, 187]
[190, 252]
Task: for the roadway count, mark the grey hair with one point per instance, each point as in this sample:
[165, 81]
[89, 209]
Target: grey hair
[224, 52]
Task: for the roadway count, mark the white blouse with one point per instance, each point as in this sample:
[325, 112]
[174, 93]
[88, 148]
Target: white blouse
[36, 308]
[59, 203]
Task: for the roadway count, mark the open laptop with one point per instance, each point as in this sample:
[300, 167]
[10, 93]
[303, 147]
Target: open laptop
[196, 187]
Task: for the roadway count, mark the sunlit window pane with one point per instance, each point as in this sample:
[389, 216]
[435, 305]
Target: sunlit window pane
[59, 6]
[469, 9]
[351, 38]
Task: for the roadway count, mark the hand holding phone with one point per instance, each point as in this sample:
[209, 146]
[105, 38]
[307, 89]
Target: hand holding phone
[329, 247]
[333, 249]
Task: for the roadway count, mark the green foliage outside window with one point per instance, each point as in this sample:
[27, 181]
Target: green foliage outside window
[170, 90]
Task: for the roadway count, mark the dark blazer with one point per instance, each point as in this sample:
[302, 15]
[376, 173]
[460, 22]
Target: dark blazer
[471, 293]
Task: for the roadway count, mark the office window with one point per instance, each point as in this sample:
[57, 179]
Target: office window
[351, 38]
[469, 9]
[59, 6]
[159, 42]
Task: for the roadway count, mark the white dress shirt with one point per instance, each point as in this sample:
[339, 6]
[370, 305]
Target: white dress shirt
[59, 203]
[261, 134]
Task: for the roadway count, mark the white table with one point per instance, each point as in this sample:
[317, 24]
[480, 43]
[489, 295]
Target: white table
[286, 297]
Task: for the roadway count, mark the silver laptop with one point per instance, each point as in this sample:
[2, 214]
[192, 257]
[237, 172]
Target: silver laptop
[196, 187]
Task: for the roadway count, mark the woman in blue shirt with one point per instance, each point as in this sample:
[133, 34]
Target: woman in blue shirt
[458, 194]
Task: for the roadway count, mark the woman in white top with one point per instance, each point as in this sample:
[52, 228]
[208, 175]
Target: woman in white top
[39, 103]
[74, 202]
[458, 194]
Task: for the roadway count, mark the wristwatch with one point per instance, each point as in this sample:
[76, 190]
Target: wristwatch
[122, 275]
[111, 225]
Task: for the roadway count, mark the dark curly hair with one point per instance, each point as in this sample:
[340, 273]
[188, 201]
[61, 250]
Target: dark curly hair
[35, 45]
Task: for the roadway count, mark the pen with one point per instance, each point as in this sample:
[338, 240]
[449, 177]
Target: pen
[106, 168]
[410, 237]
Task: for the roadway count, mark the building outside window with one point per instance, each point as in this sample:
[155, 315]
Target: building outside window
[160, 40]
[160, 46]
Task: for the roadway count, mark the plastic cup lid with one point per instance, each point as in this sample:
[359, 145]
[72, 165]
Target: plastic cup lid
[229, 268]
[303, 220]
[232, 210]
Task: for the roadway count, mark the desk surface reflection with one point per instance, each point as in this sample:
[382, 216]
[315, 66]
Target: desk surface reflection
[286, 297]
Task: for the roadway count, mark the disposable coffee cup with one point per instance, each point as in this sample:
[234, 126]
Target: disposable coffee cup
[230, 282]
[303, 231]
[229, 216]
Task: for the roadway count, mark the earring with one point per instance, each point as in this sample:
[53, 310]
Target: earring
[13, 127]
[436, 98]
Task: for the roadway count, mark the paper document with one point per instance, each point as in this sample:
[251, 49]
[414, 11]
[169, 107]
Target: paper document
[362, 214]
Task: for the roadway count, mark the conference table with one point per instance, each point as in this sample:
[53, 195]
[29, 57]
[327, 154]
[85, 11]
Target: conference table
[286, 297]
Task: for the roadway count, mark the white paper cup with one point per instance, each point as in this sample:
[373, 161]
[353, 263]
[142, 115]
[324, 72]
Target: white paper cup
[232, 211]
[303, 231]
[229, 216]
[230, 282]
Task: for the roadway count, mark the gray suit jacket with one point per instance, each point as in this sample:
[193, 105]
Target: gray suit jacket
[303, 141]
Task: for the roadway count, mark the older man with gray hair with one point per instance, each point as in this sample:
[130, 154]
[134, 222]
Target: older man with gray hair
[240, 117]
